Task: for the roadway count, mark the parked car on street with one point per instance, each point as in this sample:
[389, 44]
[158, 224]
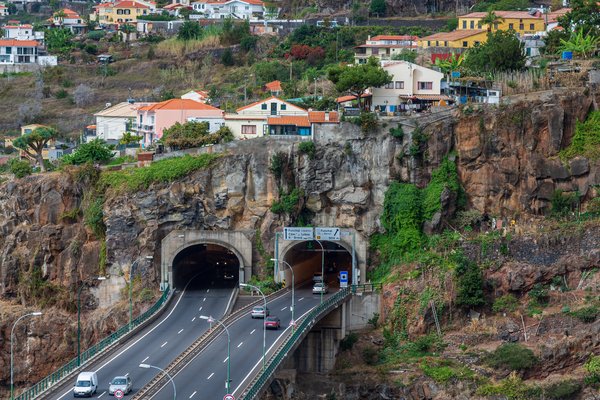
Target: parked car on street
[319, 288]
[272, 322]
[259, 312]
[122, 383]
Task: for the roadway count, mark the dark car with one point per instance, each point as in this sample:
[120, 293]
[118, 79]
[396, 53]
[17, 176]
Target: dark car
[272, 322]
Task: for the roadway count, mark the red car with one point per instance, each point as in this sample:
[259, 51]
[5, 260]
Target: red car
[272, 322]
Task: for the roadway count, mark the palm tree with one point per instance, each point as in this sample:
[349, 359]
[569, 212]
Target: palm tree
[491, 19]
[60, 15]
[127, 29]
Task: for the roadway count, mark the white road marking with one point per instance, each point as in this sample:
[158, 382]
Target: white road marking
[253, 330]
[144, 360]
[193, 319]
[181, 330]
[70, 391]
[225, 360]
[283, 308]
[163, 345]
[239, 345]
[207, 290]
[193, 394]
[210, 376]
[127, 374]
[200, 309]
[103, 393]
[204, 299]
[301, 298]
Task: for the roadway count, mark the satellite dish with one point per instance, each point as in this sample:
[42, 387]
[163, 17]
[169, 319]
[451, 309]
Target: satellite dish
[107, 105]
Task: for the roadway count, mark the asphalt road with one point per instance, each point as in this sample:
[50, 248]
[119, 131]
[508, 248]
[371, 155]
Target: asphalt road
[161, 342]
[204, 378]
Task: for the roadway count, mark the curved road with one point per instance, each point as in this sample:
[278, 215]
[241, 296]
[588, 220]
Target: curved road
[159, 343]
[204, 378]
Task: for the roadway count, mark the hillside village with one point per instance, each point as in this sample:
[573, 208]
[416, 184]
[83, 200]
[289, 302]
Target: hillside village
[456, 143]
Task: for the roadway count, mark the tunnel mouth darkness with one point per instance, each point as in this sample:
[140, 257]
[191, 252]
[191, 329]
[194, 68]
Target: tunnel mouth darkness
[305, 258]
[213, 265]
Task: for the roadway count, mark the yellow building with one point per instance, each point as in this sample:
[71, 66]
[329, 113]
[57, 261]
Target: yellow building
[455, 39]
[521, 22]
[119, 12]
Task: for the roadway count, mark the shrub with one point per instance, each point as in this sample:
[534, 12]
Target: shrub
[506, 303]
[563, 203]
[586, 314]
[368, 122]
[443, 371]
[469, 284]
[397, 132]
[307, 148]
[348, 342]
[288, 202]
[370, 356]
[94, 217]
[562, 390]
[62, 94]
[539, 294]
[512, 356]
[20, 168]
[512, 388]
[592, 367]
[95, 35]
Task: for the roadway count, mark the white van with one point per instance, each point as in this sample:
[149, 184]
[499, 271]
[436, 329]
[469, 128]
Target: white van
[86, 384]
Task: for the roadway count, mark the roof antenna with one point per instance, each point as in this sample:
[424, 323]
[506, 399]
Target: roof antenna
[130, 99]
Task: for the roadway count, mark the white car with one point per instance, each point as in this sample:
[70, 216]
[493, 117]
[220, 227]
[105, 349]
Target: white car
[320, 288]
[122, 383]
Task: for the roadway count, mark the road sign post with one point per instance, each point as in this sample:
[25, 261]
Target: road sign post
[343, 279]
[294, 233]
[228, 397]
[119, 394]
[328, 233]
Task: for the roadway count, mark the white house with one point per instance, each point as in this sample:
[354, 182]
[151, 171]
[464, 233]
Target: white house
[411, 84]
[3, 10]
[113, 121]
[200, 96]
[14, 51]
[251, 121]
[22, 32]
[236, 9]
[384, 47]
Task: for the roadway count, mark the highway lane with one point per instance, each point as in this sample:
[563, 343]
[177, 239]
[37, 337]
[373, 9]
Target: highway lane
[204, 378]
[161, 342]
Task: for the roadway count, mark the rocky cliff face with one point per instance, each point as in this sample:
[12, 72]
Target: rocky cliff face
[506, 159]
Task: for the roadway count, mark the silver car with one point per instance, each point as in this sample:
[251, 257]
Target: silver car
[320, 288]
[120, 382]
[259, 312]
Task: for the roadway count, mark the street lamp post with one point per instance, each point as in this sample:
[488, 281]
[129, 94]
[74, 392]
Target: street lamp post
[211, 320]
[146, 366]
[265, 316]
[322, 267]
[293, 284]
[98, 278]
[135, 263]
[33, 314]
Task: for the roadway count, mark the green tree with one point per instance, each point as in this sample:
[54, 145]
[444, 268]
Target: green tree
[491, 19]
[580, 44]
[378, 7]
[584, 16]
[469, 281]
[95, 151]
[59, 40]
[12, 8]
[127, 30]
[60, 16]
[452, 63]
[129, 138]
[194, 134]
[190, 30]
[355, 79]
[33, 143]
[227, 58]
[501, 52]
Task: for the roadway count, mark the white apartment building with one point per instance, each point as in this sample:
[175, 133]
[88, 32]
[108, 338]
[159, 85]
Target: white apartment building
[235, 9]
[113, 121]
[22, 32]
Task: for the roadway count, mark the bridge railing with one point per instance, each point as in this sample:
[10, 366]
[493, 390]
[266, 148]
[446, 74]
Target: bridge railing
[303, 328]
[86, 355]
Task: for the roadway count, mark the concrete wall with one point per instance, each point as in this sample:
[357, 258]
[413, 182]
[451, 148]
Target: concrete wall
[359, 309]
[178, 240]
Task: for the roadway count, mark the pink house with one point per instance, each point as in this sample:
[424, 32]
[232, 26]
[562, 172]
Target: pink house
[153, 118]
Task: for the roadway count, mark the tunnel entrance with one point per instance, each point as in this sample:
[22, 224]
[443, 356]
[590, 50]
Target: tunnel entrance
[213, 265]
[306, 259]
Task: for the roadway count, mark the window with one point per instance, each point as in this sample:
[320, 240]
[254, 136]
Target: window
[521, 27]
[479, 25]
[248, 129]
[9, 50]
[464, 24]
[399, 84]
[437, 43]
[476, 42]
[429, 43]
[465, 44]
[389, 85]
[283, 107]
[425, 85]
[445, 43]
[496, 26]
[531, 27]
[263, 106]
[472, 25]
[511, 26]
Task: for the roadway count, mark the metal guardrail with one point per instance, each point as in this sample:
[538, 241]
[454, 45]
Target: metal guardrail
[86, 355]
[303, 328]
[191, 352]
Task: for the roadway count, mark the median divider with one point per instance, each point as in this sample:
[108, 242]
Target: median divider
[187, 356]
[49, 384]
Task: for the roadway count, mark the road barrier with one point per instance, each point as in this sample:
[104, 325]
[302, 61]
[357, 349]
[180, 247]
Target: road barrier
[66, 370]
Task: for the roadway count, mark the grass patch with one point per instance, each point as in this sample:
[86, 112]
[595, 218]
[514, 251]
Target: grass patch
[512, 388]
[121, 160]
[443, 371]
[586, 141]
[168, 170]
[506, 303]
[587, 314]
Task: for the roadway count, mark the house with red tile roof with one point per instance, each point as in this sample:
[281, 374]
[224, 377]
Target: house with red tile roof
[120, 12]
[274, 87]
[154, 118]
[3, 11]
[23, 53]
[22, 32]
[201, 96]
